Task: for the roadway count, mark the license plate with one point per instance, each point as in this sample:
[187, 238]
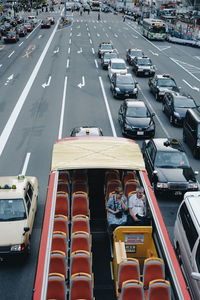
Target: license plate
[146, 73]
[126, 95]
[178, 193]
[140, 133]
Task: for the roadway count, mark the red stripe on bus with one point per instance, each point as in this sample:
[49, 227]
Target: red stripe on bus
[172, 254]
[43, 243]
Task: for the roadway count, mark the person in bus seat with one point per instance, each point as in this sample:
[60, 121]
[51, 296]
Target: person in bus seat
[137, 208]
[117, 208]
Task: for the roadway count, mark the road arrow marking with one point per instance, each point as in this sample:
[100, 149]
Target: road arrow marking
[39, 36]
[47, 84]
[1, 65]
[198, 57]
[80, 85]
[191, 69]
[192, 87]
[98, 34]
[154, 53]
[9, 79]
[116, 35]
[57, 50]
[162, 48]
[80, 51]
[79, 34]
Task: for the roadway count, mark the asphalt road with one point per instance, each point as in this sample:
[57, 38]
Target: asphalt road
[52, 81]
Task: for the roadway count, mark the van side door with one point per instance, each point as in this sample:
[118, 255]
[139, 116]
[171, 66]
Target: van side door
[195, 266]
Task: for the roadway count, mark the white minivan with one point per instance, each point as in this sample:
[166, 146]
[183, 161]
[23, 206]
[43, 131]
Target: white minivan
[116, 65]
[187, 240]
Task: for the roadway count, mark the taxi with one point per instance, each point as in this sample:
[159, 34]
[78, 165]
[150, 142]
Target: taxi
[18, 205]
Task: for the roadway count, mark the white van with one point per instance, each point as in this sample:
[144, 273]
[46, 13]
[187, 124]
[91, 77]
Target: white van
[187, 240]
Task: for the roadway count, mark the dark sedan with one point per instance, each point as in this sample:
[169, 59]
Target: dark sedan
[175, 106]
[21, 30]
[45, 24]
[123, 86]
[28, 26]
[136, 120]
[11, 37]
[132, 53]
[142, 65]
[168, 167]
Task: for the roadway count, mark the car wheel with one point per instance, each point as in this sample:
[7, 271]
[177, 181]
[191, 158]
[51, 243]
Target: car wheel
[184, 137]
[163, 108]
[171, 120]
[157, 97]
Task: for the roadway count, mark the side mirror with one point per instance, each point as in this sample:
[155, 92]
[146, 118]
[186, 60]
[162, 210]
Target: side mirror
[155, 172]
[153, 114]
[195, 276]
[196, 173]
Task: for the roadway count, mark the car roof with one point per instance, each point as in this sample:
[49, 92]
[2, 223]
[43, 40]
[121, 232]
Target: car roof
[134, 49]
[173, 145]
[117, 60]
[135, 103]
[165, 76]
[180, 95]
[123, 75]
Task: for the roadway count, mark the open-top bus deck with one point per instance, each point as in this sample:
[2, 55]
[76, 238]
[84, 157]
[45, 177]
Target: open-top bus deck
[78, 257]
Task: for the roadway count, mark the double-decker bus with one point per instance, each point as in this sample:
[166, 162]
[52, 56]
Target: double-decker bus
[95, 5]
[78, 257]
[154, 29]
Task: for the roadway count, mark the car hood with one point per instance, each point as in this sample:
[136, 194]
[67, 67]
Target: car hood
[125, 86]
[182, 111]
[138, 122]
[11, 233]
[121, 71]
[165, 89]
[175, 175]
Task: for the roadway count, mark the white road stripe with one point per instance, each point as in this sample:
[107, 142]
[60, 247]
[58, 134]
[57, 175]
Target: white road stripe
[20, 44]
[70, 41]
[90, 41]
[68, 50]
[62, 109]
[11, 54]
[67, 66]
[23, 172]
[93, 51]
[96, 63]
[107, 107]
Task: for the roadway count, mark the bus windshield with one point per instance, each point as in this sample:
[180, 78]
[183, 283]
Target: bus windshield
[158, 29]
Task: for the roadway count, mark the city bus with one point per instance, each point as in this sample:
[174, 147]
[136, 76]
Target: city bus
[79, 258]
[154, 29]
[95, 5]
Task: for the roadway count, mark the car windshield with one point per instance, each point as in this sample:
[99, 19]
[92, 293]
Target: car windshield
[137, 112]
[136, 52]
[171, 160]
[118, 66]
[144, 62]
[110, 55]
[12, 210]
[166, 82]
[125, 80]
[184, 103]
[106, 47]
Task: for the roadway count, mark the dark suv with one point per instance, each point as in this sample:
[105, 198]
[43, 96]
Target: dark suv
[160, 84]
[175, 106]
[142, 65]
[168, 167]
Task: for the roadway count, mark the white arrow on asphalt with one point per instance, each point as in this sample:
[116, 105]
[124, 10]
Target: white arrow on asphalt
[39, 37]
[79, 34]
[161, 48]
[47, 84]
[98, 34]
[80, 51]
[9, 79]
[198, 57]
[192, 87]
[154, 53]
[116, 35]
[57, 50]
[80, 85]
[1, 65]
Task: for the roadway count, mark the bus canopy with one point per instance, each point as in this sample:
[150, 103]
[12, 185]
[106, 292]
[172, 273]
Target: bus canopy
[96, 153]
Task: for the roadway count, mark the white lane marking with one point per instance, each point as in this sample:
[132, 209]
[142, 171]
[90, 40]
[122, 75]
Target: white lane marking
[11, 54]
[39, 37]
[20, 44]
[90, 41]
[70, 41]
[94, 27]
[70, 34]
[192, 87]
[33, 30]
[20, 102]
[154, 53]
[98, 34]
[178, 63]
[62, 109]
[96, 63]
[9, 79]
[149, 104]
[93, 51]
[88, 34]
[67, 65]
[80, 85]
[1, 65]
[44, 85]
[106, 34]
[107, 107]
[23, 172]
[116, 35]
[68, 50]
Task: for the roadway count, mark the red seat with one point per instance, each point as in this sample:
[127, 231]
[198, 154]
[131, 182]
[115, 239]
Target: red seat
[154, 268]
[80, 262]
[80, 241]
[111, 175]
[129, 175]
[80, 223]
[128, 269]
[79, 186]
[132, 290]
[63, 187]
[80, 177]
[81, 287]
[159, 289]
[111, 187]
[130, 186]
[59, 244]
[56, 288]
[61, 226]
[64, 176]
[62, 205]
[58, 265]
[80, 204]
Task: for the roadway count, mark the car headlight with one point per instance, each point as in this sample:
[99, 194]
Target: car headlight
[176, 114]
[17, 248]
[162, 185]
[135, 90]
[198, 142]
[117, 89]
[193, 185]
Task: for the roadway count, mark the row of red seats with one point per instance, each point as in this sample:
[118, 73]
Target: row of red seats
[153, 285]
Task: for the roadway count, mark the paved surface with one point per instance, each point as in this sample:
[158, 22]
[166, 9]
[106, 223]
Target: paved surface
[34, 75]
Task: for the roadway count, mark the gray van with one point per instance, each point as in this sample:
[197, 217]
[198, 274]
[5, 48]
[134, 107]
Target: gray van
[187, 240]
[191, 130]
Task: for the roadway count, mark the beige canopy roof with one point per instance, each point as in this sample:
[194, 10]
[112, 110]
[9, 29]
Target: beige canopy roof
[96, 153]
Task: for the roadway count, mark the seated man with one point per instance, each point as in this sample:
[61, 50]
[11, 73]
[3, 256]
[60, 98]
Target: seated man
[116, 208]
[137, 208]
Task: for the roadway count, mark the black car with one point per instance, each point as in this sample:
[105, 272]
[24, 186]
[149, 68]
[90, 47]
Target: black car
[175, 106]
[132, 53]
[11, 37]
[21, 30]
[45, 24]
[105, 47]
[106, 57]
[142, 65]
[52, 20]
[168, 167]
[136, 120]
[123, 86]
[159, 84]
[86, 130]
